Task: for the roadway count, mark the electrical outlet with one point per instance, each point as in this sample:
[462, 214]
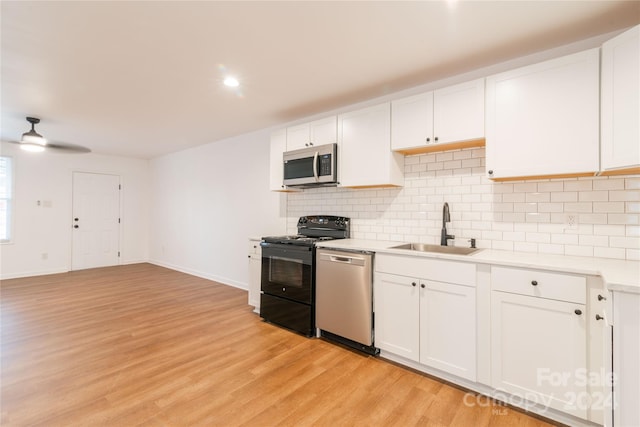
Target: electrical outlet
[571, 222]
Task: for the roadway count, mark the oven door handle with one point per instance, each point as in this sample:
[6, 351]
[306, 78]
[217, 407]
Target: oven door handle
[315, 166]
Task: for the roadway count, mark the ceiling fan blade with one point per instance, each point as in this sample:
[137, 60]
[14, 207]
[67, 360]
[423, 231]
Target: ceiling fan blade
[53, 146]
[68, 148]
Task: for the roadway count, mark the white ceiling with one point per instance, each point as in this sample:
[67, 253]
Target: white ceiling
[144, 79]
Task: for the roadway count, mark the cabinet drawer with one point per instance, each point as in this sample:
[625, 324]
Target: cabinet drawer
[254, 247]
[537, 283]
[439, 270]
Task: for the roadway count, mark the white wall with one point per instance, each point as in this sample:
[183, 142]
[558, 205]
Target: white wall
[39, 230]
[207, 201]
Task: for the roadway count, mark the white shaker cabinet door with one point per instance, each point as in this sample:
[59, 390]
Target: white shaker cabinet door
[311, 134]
[412, 121]
[397, 311]
[458, 113]
[365, 158]
[543, 119]
[539, 350]
[621, 101]
[448, 328]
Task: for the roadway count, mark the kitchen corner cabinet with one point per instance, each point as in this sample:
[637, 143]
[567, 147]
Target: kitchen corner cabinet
[365, 158]
[427, 320]
[620, 98]
[255, 265]
[539, 337]
[317, 132]
[543, 120]
[434, 121]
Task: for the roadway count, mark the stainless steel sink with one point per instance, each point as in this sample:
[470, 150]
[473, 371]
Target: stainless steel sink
[423, 247]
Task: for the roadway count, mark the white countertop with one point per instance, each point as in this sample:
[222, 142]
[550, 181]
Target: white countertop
[618, 275]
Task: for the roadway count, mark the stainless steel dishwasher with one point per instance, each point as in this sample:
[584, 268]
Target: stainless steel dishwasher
[344, 298]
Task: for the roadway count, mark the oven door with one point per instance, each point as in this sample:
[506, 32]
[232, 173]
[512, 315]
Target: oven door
[287, 271]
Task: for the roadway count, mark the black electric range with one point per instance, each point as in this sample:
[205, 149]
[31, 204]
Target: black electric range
[288, 272]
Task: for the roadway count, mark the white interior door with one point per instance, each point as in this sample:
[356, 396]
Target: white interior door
[96, 220]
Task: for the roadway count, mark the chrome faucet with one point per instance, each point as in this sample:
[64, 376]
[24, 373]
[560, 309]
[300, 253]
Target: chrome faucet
[446, 217]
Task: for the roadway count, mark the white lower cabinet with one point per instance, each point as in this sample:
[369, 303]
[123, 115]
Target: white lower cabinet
[255, 275]
[539, 348]
[539, 325]
[447, 328]
[423, 320]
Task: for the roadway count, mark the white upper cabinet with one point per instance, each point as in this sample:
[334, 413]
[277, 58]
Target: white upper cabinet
[543, 119]
[365, 158]
[620, 111]
[428, 121]
[317, 132]
[276, 165]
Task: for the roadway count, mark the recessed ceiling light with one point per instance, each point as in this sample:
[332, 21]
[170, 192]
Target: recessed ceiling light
[231, 81]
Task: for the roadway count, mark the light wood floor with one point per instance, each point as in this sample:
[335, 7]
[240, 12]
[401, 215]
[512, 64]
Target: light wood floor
[144, 345]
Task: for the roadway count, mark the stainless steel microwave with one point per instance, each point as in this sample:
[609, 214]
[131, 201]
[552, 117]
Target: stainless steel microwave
[311, 166]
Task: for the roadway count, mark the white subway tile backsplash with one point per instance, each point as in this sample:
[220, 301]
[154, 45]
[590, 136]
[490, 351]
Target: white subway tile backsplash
[578, 185]
[624, 196]
[527, 216]
[593, 196]
[604, 207]
[608, 184]
[632, 183]
[602, 252]
[566, 196]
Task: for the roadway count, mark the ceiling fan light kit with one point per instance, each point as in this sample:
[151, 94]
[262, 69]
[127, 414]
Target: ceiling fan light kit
[32, 141]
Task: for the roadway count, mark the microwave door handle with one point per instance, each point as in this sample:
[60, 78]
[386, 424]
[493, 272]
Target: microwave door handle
[315, 166]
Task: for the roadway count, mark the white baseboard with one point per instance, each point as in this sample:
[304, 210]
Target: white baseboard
[197, 273]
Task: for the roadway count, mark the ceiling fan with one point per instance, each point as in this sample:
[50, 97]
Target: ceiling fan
[34, 142]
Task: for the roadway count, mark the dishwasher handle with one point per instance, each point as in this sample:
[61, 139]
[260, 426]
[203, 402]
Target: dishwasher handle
[353, 260]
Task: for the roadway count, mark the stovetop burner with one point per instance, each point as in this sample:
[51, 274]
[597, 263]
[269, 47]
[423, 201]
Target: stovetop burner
[297, 239]
[312, 229]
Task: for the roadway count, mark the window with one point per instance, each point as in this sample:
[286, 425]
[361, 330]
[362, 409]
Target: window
[6, 190]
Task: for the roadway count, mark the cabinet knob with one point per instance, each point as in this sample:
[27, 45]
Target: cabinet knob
[435, 139]
[413, 284]
[284, 289]
[248, 256]
[428, 139]
[534, 283]
[491, 172]
[598, 317]
[577, 311]
[601, 298]
[422, 285]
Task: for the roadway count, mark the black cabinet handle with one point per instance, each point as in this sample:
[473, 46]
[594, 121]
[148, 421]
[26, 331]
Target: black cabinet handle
[578, 311]
[491, 172]
[76, 226]
[600, 298]
[75, 219]
[598, 317]
[534, 283]
[422, 285]
[435, 139]
[428, 139]
[413, 284]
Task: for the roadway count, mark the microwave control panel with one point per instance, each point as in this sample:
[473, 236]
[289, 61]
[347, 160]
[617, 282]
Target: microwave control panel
[325, 165]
